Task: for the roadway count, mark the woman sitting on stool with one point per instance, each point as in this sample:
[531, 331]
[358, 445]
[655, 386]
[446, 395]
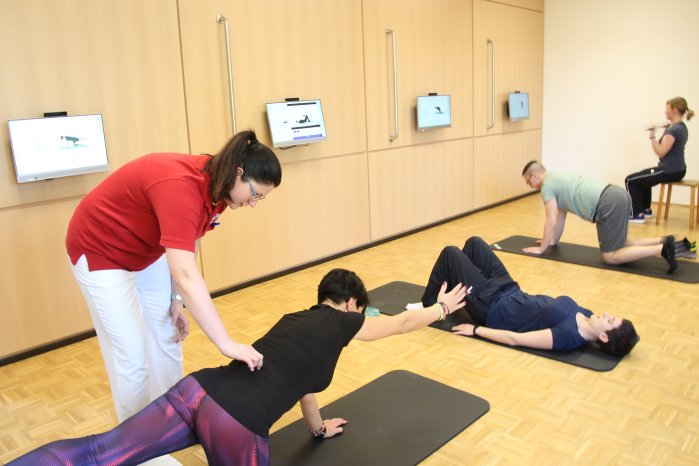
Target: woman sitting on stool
[671, 166]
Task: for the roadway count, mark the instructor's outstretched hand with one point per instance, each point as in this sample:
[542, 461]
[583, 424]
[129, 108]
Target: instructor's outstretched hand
[454, 299]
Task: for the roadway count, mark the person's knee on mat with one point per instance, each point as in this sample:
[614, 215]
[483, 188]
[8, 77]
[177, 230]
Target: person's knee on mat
[611, 258]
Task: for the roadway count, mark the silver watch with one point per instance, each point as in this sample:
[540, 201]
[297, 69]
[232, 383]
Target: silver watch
[175, 297]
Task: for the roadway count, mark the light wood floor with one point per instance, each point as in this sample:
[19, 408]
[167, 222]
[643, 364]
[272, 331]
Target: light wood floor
[646, 411]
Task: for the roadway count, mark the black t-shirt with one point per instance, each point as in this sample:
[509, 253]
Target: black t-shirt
[300, 353]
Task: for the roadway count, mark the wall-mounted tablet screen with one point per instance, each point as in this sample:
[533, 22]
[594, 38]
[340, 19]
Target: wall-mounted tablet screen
[518, 106]
[45, 148]
[296, 122]
[433, 111]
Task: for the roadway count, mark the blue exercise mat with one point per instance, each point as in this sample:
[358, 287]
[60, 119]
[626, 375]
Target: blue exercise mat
[398, 419]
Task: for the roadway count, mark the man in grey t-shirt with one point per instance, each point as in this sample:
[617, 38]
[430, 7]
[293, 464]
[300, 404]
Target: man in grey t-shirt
[606, 205]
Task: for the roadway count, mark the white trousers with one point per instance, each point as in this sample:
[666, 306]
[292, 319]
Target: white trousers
[131, 314]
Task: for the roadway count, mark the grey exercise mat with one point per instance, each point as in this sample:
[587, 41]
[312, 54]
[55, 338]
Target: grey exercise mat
[687, 271]
[392, 297]
[398, 419]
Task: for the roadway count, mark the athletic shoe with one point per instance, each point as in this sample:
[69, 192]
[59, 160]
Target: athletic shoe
[647, 213]
[686, 255]
[668, 253]
[685, 245]
[640, 218]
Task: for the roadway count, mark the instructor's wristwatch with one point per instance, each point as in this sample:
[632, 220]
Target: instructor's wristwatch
[175, 297]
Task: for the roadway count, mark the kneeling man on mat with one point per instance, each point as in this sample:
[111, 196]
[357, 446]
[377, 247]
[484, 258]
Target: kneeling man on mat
[606, 205]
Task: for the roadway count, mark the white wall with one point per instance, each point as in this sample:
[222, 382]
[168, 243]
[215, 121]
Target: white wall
[609, 67]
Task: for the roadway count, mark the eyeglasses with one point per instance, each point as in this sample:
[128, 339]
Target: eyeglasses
[255, 197]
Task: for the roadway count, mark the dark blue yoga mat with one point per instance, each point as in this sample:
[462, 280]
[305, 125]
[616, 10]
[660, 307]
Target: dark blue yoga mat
[687, 270]
[398, 419]
[392, 297]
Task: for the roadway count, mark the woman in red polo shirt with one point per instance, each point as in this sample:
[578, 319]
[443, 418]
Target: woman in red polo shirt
[131, 242]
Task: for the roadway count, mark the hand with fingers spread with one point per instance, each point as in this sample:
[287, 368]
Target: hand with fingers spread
[454, 299]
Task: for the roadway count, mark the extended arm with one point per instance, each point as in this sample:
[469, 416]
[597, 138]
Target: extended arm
[553, 227]
[560, 225]
[196, 296]
[539, 339]
[178, 317]
[311, 413]
[407, 321]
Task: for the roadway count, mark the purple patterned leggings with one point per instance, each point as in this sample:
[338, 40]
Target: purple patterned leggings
[182, 417]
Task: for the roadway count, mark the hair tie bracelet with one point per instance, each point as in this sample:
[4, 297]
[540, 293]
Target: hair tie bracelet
[319, 433]
[445, 310]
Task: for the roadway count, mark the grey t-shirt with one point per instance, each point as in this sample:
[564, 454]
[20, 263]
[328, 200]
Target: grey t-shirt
[573, 193]
[673, 161]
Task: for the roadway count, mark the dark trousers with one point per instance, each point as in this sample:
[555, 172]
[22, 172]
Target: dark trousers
[474, 266]
[639, 186]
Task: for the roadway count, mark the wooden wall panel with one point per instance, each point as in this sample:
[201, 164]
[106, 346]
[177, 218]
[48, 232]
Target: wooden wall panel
[320, 208]
[157, 72]
[120, 59]
[537, 5]
[309, 49]
[418, 185]
[433, 43]
[519, 64]
[497, 165]
[41, 300]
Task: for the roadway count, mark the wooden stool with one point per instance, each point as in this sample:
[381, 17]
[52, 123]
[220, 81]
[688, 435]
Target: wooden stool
[693, 200]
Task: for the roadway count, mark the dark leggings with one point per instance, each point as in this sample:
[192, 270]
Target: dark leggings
[475, 266]
[182, 417]
[639, 186]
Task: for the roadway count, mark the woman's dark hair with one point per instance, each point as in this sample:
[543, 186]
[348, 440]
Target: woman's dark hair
[243, 150]
[621, 339]
[339, 285]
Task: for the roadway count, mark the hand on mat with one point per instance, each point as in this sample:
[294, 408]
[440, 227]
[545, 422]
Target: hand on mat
[463, 329]
[179, 320]
[455, 299]
[332, 426]
[533, 250]
[244, 353]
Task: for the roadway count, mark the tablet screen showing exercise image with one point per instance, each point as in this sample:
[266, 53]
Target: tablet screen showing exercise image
[296, 122]
[518, 106]
[46, 148]
[433, 111]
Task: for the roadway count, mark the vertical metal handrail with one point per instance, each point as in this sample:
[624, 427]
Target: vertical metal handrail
[393, 137]
[492, 83]
[222, 20]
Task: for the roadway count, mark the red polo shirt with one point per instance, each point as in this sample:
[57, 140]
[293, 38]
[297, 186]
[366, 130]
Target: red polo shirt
[153, 202]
